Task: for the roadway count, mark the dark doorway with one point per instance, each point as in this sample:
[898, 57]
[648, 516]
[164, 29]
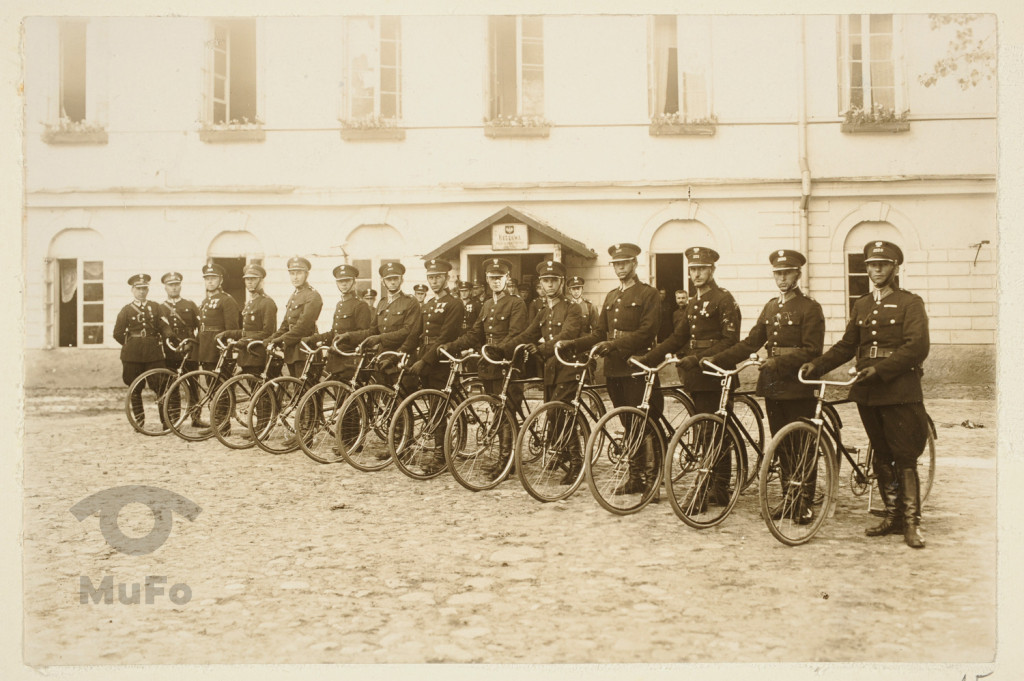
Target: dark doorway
[670, 273]
[67, 306]
[233, 283]
[524, 265]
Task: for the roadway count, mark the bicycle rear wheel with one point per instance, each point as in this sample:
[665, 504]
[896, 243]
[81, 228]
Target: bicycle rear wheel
[416, 434]
[192, 394]
[316, 420]
[361, 430]
[592, 399]
[748, 413]
[797, 485]
[146, 415]
[623, 460]
[552, 468]
[229, 411]
[678, 408]
[272, 417]
[701, 491]
[478, 443]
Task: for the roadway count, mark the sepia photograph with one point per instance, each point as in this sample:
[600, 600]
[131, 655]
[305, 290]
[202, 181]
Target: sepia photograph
[660, 337]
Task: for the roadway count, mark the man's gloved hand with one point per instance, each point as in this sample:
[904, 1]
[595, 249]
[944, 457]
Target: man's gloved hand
[417, 368]
[688, 363]
[223, 335]
[769, 365]
[808, 370]
[372, 341]
[603, 348]
[866, 374]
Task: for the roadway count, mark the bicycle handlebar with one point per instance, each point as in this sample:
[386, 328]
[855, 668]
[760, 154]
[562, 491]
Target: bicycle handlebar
[716, 370]
[644, 369]
[822, 382]
[402, 356]
[483, 354]
[181, 344]
[590, 356]
[457, 360]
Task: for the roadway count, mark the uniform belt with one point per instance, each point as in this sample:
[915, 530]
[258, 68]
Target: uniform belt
[491, 337]
[874, 351]
[138, 334]
[780, 350]
[701, 344]
[211, 328]
[618, 333]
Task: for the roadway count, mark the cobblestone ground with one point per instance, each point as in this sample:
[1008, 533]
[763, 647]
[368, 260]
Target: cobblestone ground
[295, 562]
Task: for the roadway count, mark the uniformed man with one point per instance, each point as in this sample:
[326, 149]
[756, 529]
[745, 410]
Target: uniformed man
[502, 316]
[300, 316]
[419, 291]
[888, 335]
[682, 297]
[370, 298]
[141, 328]
[259, 321]
[219, 312]
[184, 318]
[558, 320]
[350, 314]
[791, 328]
[712, 324]
[479, 292]
[397, 316]
[587, 308]
[626, 326]
[470, 303]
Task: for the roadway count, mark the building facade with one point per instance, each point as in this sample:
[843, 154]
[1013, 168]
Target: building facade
[157, 144]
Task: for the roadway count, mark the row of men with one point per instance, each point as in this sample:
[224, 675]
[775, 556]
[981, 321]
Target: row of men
[887, 334]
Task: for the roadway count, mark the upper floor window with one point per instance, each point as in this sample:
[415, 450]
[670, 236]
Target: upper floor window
[72, 71]
[870, 64]
[373, 80]
[516, 66]
[680, 67]
[231, 85]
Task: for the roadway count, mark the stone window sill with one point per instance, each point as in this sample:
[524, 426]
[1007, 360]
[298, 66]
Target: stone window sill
[69, 137]
[230, 136]
[517, 131]
[372, 134]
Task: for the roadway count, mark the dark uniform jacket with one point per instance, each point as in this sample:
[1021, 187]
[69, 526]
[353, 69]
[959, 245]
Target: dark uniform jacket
[499, 320]
[394, 321]
[219, 312]
[259, 320]
[141, 329]
[472, 307]
[792, 333]
[350, 314]
[441, 322]
[560, 322]
[589, 316]
[299, 321]
[183, 316]
[630, 320]
[711, 325]
[897, 328]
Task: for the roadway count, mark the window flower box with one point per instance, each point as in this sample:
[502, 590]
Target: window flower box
[875, 120]
[674, 124]
[371, 128]
[517, 126]
[232, 131]
[74, 132]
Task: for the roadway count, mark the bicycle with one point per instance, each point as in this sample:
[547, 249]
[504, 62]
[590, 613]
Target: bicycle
[415, 436]
[317, 413]
[626, 448]
[193, 394]
[798, 483]
[479, 438]
[361, 430]
[549, 448]
[700, 497]
[150, 410]
[275, 404]
[234, 399]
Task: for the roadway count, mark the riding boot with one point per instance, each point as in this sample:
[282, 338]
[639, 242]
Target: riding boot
[892, 521]
[910, 495]
[137, 409]
[720, 475]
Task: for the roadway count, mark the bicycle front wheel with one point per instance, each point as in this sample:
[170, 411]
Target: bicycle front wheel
[316, 420]
[705, 470]
[229, 411]
[549, 451]
[797, 484]
[272, 416]
[361, 430]
[187, 405]
[416, 434]
[623, 460]
[144, 407]
[478, 442]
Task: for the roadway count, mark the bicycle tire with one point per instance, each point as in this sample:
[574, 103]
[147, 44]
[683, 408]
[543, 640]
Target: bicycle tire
[748, 413]
[678, 408]
[193, 393]
[276, 401]
[473, 443]
[625, 451]
[316, 418]
[594, 402]
[552, 472]
[361, 430]
[810, 458]
[694, 451]
[413, 437]
[229, 411]
[153, 420]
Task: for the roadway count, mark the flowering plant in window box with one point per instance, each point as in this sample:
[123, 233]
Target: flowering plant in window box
[678, 124]
[67, 131]
[234, 130]
[371, 128]
[876, 119]
[517, 126]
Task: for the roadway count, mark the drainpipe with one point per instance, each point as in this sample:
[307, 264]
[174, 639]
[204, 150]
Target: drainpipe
[805, 169]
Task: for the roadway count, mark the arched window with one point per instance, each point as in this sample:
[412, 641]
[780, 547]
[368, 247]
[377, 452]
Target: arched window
[75, 295]
[370, 246]
[233, 250]
[668, 269]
